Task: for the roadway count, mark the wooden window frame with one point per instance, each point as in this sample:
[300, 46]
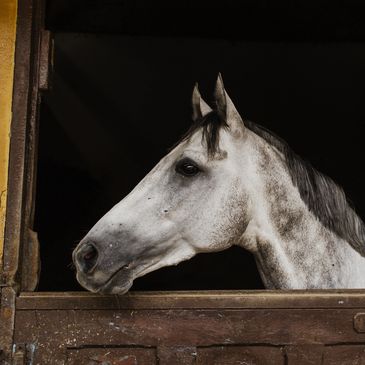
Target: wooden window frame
[20, 266]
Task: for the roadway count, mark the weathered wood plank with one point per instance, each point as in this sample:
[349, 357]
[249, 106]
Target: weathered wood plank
[211, 327]
[188, 327]
[7, 323]
[182, 355]
[46, 335]
[193, 327]
[235, 355]
[199, 299]
[304, 354]
[344, 355]
[112, 356]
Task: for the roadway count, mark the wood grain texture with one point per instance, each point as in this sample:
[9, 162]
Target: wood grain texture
[185, 328]
[344, 355]
[112, 356]
[183, 355]
[304, 354]
[238, 355]
[226, 299]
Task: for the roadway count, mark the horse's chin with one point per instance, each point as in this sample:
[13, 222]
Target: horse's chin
[115, 285]
[116, 288]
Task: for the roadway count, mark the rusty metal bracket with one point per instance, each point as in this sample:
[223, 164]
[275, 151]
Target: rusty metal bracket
[23, 353]
[19, 354]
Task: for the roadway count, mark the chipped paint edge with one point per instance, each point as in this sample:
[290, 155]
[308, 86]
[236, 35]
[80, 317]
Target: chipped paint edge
[8, 17]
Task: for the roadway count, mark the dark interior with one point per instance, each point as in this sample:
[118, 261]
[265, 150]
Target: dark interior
[121, 97]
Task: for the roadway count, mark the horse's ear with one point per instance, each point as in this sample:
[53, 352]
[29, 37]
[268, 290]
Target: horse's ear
[226, 107]
[200, 107]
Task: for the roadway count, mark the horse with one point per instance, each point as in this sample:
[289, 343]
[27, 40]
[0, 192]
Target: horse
[228, 181]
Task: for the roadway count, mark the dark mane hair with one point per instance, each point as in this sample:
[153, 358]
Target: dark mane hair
[324, 198]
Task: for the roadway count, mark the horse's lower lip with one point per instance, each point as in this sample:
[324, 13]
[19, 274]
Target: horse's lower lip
[106, 284]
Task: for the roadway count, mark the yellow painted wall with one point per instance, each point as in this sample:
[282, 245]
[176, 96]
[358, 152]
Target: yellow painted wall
[8, 12]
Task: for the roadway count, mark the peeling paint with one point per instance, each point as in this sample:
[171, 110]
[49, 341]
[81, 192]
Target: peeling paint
[8, 13]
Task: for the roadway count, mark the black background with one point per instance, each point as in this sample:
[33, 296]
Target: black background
[124, 72]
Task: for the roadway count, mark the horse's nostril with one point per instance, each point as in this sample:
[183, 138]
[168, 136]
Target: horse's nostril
[88, 257]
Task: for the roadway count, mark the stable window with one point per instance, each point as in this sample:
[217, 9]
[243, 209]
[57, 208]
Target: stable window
[117, 105]
[122, 76]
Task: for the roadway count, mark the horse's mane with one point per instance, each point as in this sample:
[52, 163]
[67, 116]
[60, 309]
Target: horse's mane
[324, 198]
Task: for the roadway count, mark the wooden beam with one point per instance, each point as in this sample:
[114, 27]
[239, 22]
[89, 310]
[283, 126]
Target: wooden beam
[254, 299]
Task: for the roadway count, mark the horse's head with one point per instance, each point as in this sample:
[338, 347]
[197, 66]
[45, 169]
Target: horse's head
[193, 201]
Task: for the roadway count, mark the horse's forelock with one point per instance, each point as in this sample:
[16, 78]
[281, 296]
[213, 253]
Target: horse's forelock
[210, 124]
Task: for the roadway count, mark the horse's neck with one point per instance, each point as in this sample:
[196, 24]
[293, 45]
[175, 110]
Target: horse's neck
[292, 248]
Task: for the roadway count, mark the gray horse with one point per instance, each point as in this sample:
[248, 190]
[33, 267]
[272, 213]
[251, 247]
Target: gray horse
[228, 182]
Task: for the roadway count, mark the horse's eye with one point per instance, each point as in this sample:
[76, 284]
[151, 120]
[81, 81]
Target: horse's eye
[187, 168]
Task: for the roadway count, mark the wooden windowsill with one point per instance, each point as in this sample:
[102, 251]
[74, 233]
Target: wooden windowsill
[259, 299]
